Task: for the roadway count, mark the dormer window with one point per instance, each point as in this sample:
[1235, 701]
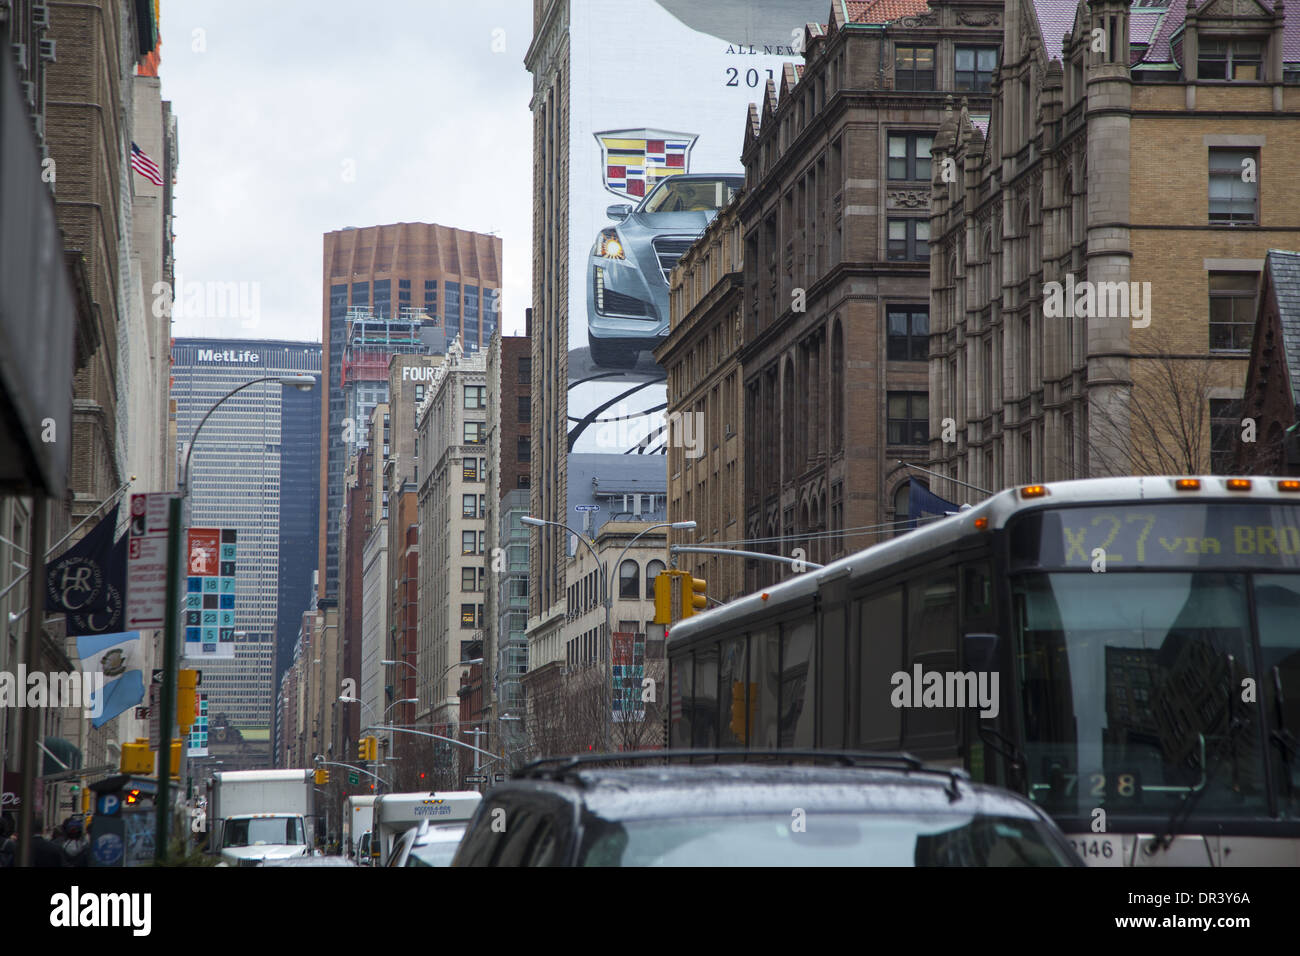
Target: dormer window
[1229, 58]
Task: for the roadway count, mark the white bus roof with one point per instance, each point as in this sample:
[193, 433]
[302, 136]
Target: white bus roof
[447, 806]
[999, 509]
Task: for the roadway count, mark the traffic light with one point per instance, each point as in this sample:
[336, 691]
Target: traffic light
[322, 775]
[137, 757]
[738, 710]
[693, 599]
[664, 597]
[372, 748]
[176, 758]
[362, 749]
[187, 682]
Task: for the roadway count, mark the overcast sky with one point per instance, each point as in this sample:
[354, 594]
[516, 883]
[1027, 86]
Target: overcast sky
[278, 103]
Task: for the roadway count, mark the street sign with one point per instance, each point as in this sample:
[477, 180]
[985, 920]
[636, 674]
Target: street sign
[476, 778]
[586, 507]
[155, 709]
[142, 713]
[210, 593]
[353, 779]
[146, 562]
[498, 778]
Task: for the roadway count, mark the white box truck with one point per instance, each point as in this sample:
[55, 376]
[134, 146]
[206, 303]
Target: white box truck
[257, 815]
[358, 820]
[395, 813]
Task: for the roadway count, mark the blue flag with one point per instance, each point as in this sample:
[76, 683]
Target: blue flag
[922, 503]
[112, 617]
[77, 581]
[119, 660]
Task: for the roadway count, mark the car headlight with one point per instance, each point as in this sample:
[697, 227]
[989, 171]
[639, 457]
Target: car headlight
[609, 246]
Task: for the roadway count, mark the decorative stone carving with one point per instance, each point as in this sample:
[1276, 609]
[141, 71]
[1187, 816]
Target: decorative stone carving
[920, 20]
[907, 199]
[978, 19]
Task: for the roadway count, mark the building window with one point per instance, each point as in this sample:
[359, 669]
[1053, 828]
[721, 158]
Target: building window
[523, 481]
[475, 433]
[1233, 200]
[1232, 310]
[652, 570]
[975, 66]
[526, 370]
[1225, 425]
[525, 409]
[909, 240]
[909, 333]
[525, 449]
[909, 156]
[469, 506]
[1228, 59]
[913, 67]
[469, 579]
[909, 418]
[468, 542]
[468, 618]
[419, 394]
[469, 469]
[628, 585]
[476, 396]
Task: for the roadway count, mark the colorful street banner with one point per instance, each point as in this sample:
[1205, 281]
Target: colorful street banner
[210, 594]
[76, 582]
[122, 658]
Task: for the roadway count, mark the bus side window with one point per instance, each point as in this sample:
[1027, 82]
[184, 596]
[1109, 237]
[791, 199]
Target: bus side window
[680, 711]
[733, 725]
[764, 673]
[977, 593]
[704, 715]
[879, 621]
[798, 692]
[932, 646]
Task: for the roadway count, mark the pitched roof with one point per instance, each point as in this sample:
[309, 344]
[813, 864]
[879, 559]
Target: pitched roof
[1055, 20]
[883, 11]
[1284, 267]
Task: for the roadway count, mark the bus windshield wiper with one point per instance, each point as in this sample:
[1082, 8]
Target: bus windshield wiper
[1181, 812]
[1281, 735]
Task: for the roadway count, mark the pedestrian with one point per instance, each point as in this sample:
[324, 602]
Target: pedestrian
[45, 852]
[76, 848]
[8, 844]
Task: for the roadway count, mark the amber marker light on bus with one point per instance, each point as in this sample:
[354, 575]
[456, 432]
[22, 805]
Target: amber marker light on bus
[1033, 491]
[982, 523]
[1188, 484]
[1238, 484]
[1288, 485]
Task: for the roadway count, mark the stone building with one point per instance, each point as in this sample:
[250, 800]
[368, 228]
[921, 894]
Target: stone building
[1096, 248]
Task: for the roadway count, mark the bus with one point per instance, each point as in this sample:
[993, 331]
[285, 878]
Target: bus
[1123, 651]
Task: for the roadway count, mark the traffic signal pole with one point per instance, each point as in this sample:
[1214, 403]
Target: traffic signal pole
[167, 697]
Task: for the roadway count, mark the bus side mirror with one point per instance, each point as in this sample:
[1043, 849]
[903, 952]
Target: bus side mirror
[979, 652]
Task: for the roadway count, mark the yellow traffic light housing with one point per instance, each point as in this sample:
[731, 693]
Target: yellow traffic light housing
[176, 759]
[372, 748]
[137, 758]
[322, 775]
[363, 748]
[664, 597]
[186, 691]
[693, 598]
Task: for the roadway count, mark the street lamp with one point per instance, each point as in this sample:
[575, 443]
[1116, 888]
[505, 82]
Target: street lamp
[608, 585]
[171, 635]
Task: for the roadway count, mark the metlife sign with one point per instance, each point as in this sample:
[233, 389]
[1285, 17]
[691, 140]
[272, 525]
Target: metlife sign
[244, 356]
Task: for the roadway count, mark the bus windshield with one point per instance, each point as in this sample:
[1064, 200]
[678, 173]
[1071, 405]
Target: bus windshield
[1135, 690]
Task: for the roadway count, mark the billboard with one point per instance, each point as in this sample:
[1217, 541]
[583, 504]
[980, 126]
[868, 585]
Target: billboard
[210, 594]
[657, 113]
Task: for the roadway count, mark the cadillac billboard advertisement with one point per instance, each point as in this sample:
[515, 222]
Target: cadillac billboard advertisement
[657, 116]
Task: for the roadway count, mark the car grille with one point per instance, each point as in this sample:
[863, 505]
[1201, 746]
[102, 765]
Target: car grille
[669, 249]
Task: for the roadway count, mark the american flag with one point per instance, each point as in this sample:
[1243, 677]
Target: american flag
[145, 166]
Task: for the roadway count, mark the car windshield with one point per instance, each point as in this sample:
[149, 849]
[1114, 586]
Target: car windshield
[433, 854]
[825, 839]
[690, 195]
[264, 830]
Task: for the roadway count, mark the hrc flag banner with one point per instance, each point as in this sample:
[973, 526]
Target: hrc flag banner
[121, 659]
[77, 582]
[923, 505]
[111, 619]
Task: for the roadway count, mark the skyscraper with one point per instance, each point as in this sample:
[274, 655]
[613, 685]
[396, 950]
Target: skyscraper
[448, 279]
[253, 470]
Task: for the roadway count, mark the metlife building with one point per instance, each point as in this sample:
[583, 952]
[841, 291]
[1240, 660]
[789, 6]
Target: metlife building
[256, 469]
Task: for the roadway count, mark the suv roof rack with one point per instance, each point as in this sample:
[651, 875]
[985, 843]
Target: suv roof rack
[562, 767]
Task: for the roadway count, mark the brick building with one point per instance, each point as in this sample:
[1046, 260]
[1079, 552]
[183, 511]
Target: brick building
[835, 284]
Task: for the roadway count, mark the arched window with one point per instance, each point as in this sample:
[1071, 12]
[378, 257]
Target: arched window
[652, 570]
[628, 584]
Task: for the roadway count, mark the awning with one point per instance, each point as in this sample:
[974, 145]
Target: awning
[60, 756]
